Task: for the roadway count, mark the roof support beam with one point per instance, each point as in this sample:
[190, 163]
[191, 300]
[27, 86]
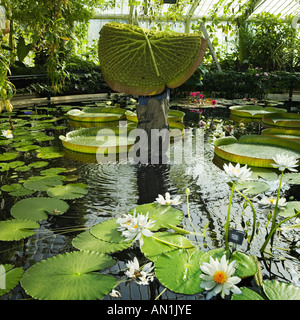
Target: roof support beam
[189, 15]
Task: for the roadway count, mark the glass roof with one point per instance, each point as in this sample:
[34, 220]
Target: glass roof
[203, 8]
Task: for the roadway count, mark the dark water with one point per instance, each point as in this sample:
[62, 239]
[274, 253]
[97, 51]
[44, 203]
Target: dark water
[113, 189]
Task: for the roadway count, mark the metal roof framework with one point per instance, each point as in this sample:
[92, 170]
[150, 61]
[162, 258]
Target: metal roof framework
[198, 9]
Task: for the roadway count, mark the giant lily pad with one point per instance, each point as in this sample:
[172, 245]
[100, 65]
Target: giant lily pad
[174, 115]
[255, 150]
[137, 61]
[291, 120]
[282, 133]
[97, 114]
[70, 276]
[16, 229]
[253, 111]
[36, 208]
[95, 140]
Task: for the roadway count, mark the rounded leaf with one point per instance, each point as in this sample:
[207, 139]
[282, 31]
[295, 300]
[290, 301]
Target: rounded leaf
[70, 276]
[16, 229]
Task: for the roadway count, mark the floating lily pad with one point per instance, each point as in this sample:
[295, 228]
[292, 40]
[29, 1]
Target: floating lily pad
[174, 115]
[255, 150]
[283, 133]
[23, 168]
[163, 215]
[11, 187]
[70, 276]
[49, 153]
[95, 140]
[52, 171]
[28, 148]
[42, 183]
[21, 192]
[179, 271]
[290, 120]
[86, 241]
[38, 164]
[16, 229]
[69, 191]
[162, 242]
[292, 178]
[276, 290]
[6, 156]
[97, 114]
[171, 58]
[253, 187]
[253, 111]
[108, 231]
[10, 278]
[37, 208]
[289, 209]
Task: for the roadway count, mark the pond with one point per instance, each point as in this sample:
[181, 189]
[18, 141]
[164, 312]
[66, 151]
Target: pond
[115, 188]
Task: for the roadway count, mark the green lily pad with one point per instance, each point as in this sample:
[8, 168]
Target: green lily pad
[16, 229]
[21, 192]
[70, 276]
[11, 187]
[276, 290]
[69, 191]
[289, 209]
[171, 58]
[28, 148]
[292, 178]
[97, 114]
[289, 120]
[52, 171]
[163, 215]
[108, 231]
[162, 242]
[23, 168]
[179, 271]
[43, 183]
[15, 164]
[10, 277]
[253, 111]
[6, 156]
[38, 164]
[36, 208]
[247, 294]
[253, 187]
[86, 241]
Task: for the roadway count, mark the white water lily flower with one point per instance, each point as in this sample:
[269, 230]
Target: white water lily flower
[134, 226]
[7, 134]
[271, 202]
[143, 276]
[237, 173]
[115, 293]
[217, 277]
[167, 201]
[283, 161]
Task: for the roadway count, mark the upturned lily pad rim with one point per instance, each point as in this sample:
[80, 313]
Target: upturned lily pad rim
[257, 140]
[291, 120]
[173, 116]
[244, 111]
[97, 114]
[282, 131]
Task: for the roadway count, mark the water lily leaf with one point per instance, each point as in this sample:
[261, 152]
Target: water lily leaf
[276, 290]
[70, 276]
[292, 178]
[69, 191]
[42, 183]
[6, 156]
[107, 231]
[245, 265]
[23, 168]
[253, 187]
[38, 164]
[15, 164]
[11, 187]
[21, 192]
[162, 242]
[86, 241]
[36, 208]
[52, 171]
[171, 58]
[179, 271]
[289, 209]
[16, 229]
[10, 277]
[163, 215]
[214, 253]
[49, 153]
[28, 148]
[247, 294]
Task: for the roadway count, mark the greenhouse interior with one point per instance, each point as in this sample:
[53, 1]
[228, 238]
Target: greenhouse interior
[150, 150]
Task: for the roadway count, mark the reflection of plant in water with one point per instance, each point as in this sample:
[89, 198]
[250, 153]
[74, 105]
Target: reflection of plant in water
[7, 89]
